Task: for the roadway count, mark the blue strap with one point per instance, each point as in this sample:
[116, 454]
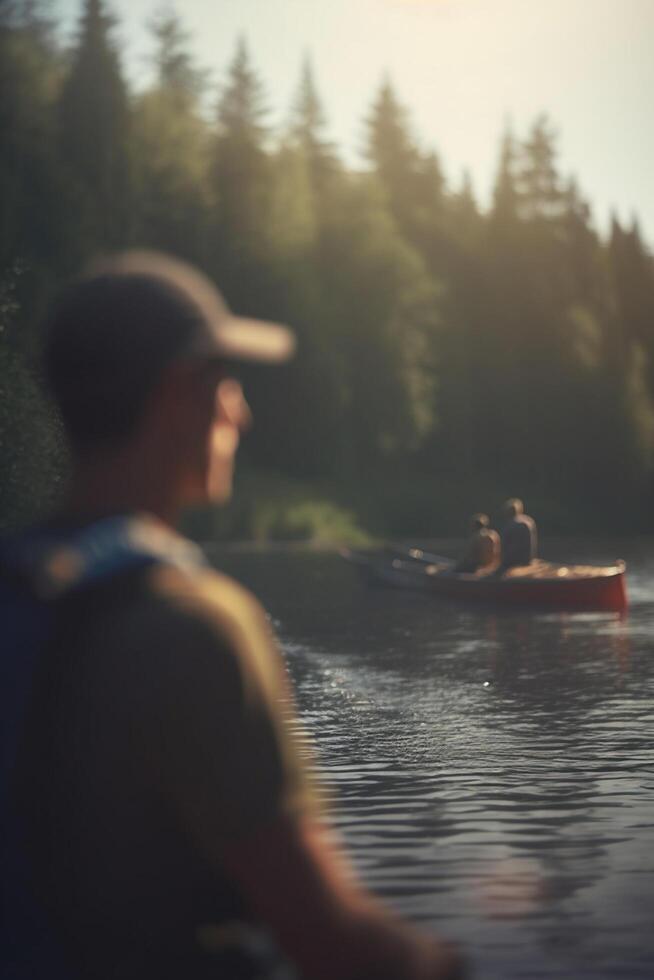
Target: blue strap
[55, 562]
[39, 568]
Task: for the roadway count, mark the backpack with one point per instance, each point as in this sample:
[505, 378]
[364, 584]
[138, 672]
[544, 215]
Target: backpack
[37, 569]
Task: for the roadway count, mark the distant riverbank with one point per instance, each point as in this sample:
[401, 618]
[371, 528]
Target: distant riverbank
[270, 509]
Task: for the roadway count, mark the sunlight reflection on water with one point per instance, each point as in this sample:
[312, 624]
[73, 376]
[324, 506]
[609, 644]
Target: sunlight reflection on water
[491, 771]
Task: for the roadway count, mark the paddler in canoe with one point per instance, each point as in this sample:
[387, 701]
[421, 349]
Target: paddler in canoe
[483, 550]
[519, 537]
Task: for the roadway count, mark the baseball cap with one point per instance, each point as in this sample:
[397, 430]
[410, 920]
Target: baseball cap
[113, 331]
[168, 305]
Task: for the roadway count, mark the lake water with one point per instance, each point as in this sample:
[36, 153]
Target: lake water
[492, 772]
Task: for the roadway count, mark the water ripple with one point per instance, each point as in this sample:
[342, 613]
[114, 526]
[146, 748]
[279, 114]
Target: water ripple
[492, 772]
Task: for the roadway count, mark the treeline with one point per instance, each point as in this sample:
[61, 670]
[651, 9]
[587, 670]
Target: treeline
[509, 350]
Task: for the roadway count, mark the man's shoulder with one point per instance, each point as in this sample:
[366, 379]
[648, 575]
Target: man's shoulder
[201, 601]
[526, 521]
[201, 591]
[185, 628]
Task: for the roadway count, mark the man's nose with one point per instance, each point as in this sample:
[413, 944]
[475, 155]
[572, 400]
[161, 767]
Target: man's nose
[232, 405]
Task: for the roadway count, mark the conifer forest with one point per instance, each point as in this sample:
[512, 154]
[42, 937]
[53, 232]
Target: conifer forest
[449, 355]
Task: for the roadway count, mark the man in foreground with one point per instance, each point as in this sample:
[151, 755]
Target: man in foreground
[159, 793]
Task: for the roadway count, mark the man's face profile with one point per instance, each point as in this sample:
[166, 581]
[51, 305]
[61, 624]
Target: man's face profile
[210, 414]
[231, 417]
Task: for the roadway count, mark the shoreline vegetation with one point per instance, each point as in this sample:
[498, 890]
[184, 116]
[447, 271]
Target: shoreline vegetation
[271, 511]
[449, 355]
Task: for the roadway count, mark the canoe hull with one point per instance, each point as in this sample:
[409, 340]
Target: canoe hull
[556, 587]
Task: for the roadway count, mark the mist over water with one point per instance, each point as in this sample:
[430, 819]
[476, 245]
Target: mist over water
[491, 771]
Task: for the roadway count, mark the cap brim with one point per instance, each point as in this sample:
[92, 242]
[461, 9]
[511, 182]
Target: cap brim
[244, 339]
[214, 330]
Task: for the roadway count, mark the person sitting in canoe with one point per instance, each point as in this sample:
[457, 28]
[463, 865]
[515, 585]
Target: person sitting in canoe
[483, 550]
[519, 536]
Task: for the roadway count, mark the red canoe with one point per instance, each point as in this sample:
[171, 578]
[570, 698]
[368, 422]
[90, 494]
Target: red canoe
[540, 584]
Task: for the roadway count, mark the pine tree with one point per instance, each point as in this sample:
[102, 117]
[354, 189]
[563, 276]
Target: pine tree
[632, 278]
[293, 221]
[38, 230]
[176, 71]
[242, 108]
[505, 194]
[540, 193]
[307, 132]
[462, 355]
[35, 248]
[30, 183]
[95, 129]
[28, 15]
[171, 148]
[385, 313]
[411, 180]
[465, 219]
[241, 170]
[390, 147]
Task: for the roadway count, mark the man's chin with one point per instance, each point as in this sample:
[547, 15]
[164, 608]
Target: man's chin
[216, 493]
[220, 499]
[219, 492]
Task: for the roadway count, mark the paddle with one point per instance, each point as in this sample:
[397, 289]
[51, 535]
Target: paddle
[425, 557]
[355, 557]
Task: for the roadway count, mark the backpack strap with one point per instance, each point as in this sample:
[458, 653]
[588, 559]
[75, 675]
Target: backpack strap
[37, 569]
[52, 562]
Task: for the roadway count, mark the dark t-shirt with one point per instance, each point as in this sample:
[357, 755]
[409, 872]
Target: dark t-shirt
[519, 541]
[156, 737]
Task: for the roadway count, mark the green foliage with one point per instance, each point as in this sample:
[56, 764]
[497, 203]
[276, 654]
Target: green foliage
[315, 521]
[171, 162]
[307, 131]
[176, 71]
[389, 345]
[171, 150]
[94, 131]
[293, 219]
[34, 196]
[241, 176]
[586, 337]
[411, 180]
[32, 458]
[270, 507]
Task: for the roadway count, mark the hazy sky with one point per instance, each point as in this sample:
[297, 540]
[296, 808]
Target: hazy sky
[462, 67]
